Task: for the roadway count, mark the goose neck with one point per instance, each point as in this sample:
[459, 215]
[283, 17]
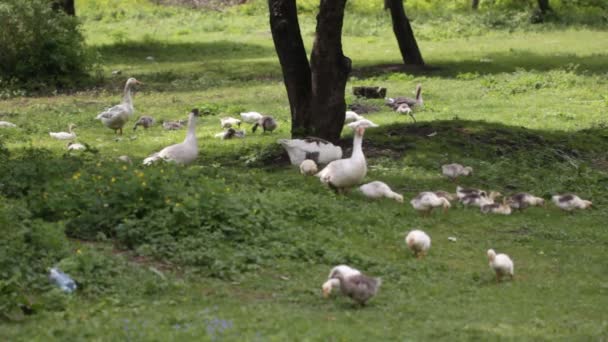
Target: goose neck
[357, 150]
[191, 135]
[127, 95]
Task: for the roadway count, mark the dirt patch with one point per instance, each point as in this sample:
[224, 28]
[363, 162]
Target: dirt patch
[206, 4]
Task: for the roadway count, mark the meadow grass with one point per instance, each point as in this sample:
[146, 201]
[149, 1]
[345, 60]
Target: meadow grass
[526, 109]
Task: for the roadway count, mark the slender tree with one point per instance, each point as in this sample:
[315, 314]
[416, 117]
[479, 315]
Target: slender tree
[474, 4]
[315, 90]
[543, 6]
[405, 35]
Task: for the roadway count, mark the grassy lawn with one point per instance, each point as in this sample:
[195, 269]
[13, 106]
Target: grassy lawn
[526, 108]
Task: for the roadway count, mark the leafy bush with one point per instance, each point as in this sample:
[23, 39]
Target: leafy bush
[40, 47]
[27, 249]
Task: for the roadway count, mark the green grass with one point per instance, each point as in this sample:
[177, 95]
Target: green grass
[526, 109]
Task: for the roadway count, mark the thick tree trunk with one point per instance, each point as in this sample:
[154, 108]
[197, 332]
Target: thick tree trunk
[474, 4]
[330, 69]
[543, 6]
[405, 36]
[65, 5]
[294, 63]
[315, 90]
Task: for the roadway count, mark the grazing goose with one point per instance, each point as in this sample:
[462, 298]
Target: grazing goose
[463, 192]
[333, 282]
[231, 133]
[419, 242]
[251, 117]
[450, 197]
[182, 153]
[453, 171]
[397, 101]
[501, 264]
[116, 117]
[308, 167]
[144, 121]
[319, 150]
[65, 135]
[72, 146]
[426, 201]
[358, 287]
[6, 124]
[524, 200]
[351, 116]
[229, 122]
[377, 189]
[362, 123]
[343, 174]
[268, 123]
[479, 200]
[497, 208]
[570, 202]
[173, 125]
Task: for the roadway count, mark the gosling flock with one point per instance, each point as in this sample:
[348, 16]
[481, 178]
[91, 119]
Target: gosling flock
[340, 174]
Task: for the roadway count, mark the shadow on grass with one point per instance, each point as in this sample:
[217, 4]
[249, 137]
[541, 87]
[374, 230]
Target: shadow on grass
[496, 63]
[136, 51]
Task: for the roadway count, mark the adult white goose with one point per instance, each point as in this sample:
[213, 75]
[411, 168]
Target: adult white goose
[6, 124]
[319, 150]
[351, 116]
[116, 117]
[65, 135]
[251, 117]
[501, 264]
[342, 174]
[377, 189]
[182, 153]
[426, 201]
[365, 123]
[332, 282]
[418, 242]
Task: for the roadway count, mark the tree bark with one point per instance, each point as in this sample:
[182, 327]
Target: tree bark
[315, 90]
[475, 4]
[543, 6]
[294, 63]
[65, 5]
[330, 69]
[405, 35]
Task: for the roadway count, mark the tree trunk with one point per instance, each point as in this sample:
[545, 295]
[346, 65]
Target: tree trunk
[330, 69]
[65, 5]
[543, 6]
[475, 4]
[405, 36]
[294, 63]
[315, 90]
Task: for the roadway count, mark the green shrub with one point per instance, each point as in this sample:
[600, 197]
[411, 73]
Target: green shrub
[27, 249]
[40, 47]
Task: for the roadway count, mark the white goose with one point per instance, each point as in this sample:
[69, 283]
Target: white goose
[455, 170]
[342, 174]
[362, 123]
[230, 122]
[72, 146]
[251, 117]
[182, 153]
[351, 116]
[316, 149]
[501, 264]
[6, 124]
[419, 242]
[570, 202]
[426, 201]
[377, 189]
[116, 117]
[65, 135]
[333, 282]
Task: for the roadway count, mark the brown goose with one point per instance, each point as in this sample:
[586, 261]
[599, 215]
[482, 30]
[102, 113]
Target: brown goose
[358, 287]
[410, 102]
[144, 121]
